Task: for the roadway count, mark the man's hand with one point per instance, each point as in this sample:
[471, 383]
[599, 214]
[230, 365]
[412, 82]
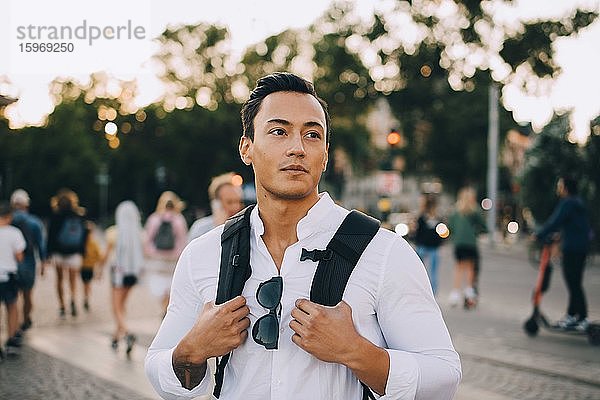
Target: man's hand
[217, 331]
[327, 333]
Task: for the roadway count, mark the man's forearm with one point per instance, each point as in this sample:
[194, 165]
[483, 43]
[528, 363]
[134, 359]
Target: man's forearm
[370, 364]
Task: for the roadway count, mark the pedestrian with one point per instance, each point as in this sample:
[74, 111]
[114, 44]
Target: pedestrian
[12, 245]
[225, 200]
[465, 224]
[570, 217]
[66, 244]
[427, 239]
[387, 333]
[33, 231]
[164, 240]
[125, 257]
[91, 263]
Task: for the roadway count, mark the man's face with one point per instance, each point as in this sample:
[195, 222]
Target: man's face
[289, 151]
[230, 199]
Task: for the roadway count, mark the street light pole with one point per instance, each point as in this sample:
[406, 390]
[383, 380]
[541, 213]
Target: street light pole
[492, 171]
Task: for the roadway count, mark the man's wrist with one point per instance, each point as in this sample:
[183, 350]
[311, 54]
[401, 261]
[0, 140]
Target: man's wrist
[184, 354]
[189, 373]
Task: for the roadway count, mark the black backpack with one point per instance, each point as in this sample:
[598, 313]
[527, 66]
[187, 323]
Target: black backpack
[164, 239]
[336, 263]
[71, 235]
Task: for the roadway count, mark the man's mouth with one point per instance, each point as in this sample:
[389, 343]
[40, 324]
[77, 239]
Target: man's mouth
[294, 167]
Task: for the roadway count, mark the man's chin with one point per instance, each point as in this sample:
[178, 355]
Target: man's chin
[292, 193]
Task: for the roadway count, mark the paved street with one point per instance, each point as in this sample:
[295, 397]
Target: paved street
[72, 358]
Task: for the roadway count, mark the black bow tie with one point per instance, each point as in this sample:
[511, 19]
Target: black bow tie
[316, 255]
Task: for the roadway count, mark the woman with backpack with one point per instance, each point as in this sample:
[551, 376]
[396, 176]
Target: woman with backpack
[66, 244]
[427, 239]
[165, 238]
[125, 258]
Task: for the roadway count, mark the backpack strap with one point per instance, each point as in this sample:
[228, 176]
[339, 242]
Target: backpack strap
[234, 271]
[346, 247]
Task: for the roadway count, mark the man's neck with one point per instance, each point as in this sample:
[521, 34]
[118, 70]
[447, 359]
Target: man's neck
[280, 218]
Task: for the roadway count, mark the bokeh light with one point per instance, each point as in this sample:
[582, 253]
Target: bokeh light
[487, 204]
[512, 227]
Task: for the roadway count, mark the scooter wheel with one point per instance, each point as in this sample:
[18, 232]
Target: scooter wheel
[531, 327]
[593, 333]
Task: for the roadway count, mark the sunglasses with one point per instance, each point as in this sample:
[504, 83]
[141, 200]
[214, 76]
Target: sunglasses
[266, 329]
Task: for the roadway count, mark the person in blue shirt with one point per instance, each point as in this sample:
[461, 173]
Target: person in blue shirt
[33, 231]
[570, 217]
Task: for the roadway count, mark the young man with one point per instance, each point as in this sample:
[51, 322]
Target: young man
[387, 332]
[33, 230]
[225, 201]
[570, 217]
[12, 244]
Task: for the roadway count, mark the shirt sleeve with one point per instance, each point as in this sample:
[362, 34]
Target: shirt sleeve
[555, 221]
[423, 362]
[181, 233]
[40, 239]
[19, 242]
[185, 303]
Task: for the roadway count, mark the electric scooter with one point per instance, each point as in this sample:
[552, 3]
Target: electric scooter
[532, 325]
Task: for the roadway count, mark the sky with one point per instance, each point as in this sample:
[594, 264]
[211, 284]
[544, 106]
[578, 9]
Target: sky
[249, 22]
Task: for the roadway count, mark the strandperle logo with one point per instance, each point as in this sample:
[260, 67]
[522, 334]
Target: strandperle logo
[85, 31]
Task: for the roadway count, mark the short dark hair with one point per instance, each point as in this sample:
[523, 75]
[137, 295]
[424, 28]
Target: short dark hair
[277, 82]
[570, 183]
[5, 209]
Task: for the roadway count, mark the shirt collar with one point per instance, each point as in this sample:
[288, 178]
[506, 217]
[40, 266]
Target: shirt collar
[315, 220]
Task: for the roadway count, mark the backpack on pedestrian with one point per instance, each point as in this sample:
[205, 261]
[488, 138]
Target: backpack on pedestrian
[336, 263]
[71, 235]
[164, 239]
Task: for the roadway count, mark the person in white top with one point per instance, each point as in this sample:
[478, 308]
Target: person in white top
[125, 256]
[12, 245]
[387, 332]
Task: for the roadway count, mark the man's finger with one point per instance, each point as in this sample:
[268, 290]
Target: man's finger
[307, 306]
[297, 327]
[241, 313]
[299, 315]
[244, 324]
[297, 339]
[235, 303]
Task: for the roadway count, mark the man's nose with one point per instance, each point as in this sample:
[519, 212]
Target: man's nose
[296, 146]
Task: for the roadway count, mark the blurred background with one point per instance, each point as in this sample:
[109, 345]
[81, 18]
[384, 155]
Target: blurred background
[426, 96]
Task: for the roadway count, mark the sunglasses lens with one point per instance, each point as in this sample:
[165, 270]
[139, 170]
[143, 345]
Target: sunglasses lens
[269, 293]
[266, 331]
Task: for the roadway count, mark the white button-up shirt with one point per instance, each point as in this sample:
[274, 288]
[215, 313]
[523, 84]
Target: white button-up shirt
[392, 306]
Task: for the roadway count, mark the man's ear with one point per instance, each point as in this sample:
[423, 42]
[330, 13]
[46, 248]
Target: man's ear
[245, 149]
[326, 159]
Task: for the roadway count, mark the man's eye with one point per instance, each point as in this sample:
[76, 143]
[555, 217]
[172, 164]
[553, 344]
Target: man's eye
[313, 135]
[277, 132]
